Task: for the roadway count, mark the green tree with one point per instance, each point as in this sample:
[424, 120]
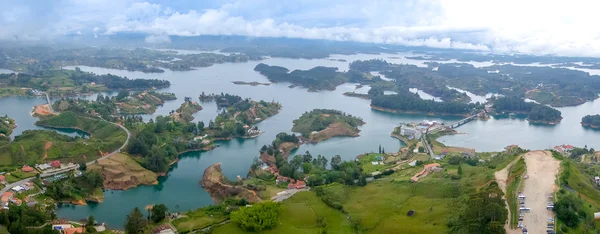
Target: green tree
[94, 179]
[335, 162]
[82, 166]
[135, 222]
[89, 225]
[258, 217]
[306, 167]
[460, 170]
[158, 213]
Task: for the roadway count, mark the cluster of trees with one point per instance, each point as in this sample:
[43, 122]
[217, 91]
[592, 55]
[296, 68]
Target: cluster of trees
[5, 125]
[281, 138]
[159, 142]
[135, 223]
[409, 102]
[258, 217]
[368, 66]
[74, 188]
[484, 212]
[591, 121]
[319, 119]
[535, 112]
[315, 79]
[570, 209]
[17, 219]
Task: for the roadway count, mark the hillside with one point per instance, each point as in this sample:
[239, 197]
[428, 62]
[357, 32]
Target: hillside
[322, 124]
[121, 172]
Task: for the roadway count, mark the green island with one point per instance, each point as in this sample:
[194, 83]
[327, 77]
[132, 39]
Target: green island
[239, 116]
[71, 82]
[185, 112]
[591, 121]
[125, 103]
[407, 102]
[322, 124]
[315, 79]
[140, 59]
[536, 113]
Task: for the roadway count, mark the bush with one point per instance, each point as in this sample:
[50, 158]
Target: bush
[257, 217]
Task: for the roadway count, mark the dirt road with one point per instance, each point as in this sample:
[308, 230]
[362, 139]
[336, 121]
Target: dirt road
[542, 169]
[501, 178]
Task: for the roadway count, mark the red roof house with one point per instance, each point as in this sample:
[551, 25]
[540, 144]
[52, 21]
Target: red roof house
[2, 178]
[55, 163]
[300, 184]
[26, 168]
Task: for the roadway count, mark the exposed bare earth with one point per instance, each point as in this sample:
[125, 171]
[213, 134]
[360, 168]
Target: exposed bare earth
[42, 110]
[333, 130]
[46, 147]
[542, 169]
[215, 183]
[121, 172]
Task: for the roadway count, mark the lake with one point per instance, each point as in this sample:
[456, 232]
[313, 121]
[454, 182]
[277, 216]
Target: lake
[180, 189]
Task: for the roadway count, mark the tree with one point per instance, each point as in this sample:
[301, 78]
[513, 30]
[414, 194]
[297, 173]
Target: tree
[336, 161]
[158, 213]
[383, 150]
[379, 149]
[89, 225]
[460, 171]
[135, 222]
[82, 166]
[94, 179]
[122, 95]
[421, 149]
[306, 167]
[362, 181]
[257, 217]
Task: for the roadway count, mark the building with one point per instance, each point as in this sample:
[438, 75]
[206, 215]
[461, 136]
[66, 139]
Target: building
[163, 229]
[77, 173]
[408, 131]
[2, 178]
[55, 164]
[26, 168]
[43, 167]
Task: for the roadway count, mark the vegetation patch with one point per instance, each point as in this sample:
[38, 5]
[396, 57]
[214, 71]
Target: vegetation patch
[322, 124]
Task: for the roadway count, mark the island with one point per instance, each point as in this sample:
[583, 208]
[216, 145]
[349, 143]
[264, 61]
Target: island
[407, 102]
[240, 116]
[315, 79]
[253, 83]
[591, 121]
[322, 124]
[536, 113]
[185, 112]
[125, 103]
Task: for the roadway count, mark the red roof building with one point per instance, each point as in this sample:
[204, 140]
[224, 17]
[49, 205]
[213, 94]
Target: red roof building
[300, 184]
[2, 178]
[55, 164]
[26, 168]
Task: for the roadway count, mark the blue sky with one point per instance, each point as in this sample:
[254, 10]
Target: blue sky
[533, 26]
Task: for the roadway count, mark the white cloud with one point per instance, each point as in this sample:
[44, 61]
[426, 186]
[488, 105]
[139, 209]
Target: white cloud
[158, 39]
[533, 26]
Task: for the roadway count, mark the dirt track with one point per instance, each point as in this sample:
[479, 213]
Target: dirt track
[542, 169]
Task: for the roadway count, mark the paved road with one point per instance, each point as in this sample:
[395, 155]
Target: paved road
[21, 182]
[287, 194]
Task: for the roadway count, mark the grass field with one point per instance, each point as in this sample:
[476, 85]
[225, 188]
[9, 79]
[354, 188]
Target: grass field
[368, 167]
[515, 176]
[200, 218]
[300, 214]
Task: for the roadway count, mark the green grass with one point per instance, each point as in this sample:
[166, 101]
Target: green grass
[515, 176]
[299, 214]
[368, 167]
[199, 219]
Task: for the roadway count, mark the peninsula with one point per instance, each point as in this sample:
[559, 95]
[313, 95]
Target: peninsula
[536, 113]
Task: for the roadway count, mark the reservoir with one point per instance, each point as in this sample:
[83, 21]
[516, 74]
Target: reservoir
[180, 189]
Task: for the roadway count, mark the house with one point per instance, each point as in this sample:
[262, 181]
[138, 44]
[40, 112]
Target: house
[17, 189]
[408, 131]
[17, 201]
[26, 168]
[597, 179]
[5, 198]
[300, 184]
[74, 230]
[163, 229]
[55, 164]
[558, 149]
[77, 173]
[205, 142]
[2, 178]
[43, 167]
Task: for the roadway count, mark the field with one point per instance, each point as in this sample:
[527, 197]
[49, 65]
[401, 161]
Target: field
[368, 167]
[201, 218]
[122, 172]
[300, 214]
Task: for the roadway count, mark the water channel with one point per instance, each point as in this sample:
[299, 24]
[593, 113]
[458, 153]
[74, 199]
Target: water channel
[180, 189]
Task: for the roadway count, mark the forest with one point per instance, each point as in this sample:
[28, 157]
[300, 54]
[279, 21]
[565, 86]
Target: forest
[319, 119]
[315, 79]
[592, 121]
[411, 103]
[536, 113]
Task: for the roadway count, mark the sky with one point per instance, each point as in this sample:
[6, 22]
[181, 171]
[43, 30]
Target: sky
[565, 28]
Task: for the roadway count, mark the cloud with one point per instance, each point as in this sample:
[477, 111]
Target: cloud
[534, 26]
[158, 39]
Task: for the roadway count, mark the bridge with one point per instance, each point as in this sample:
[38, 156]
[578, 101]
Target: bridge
[465, 120]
